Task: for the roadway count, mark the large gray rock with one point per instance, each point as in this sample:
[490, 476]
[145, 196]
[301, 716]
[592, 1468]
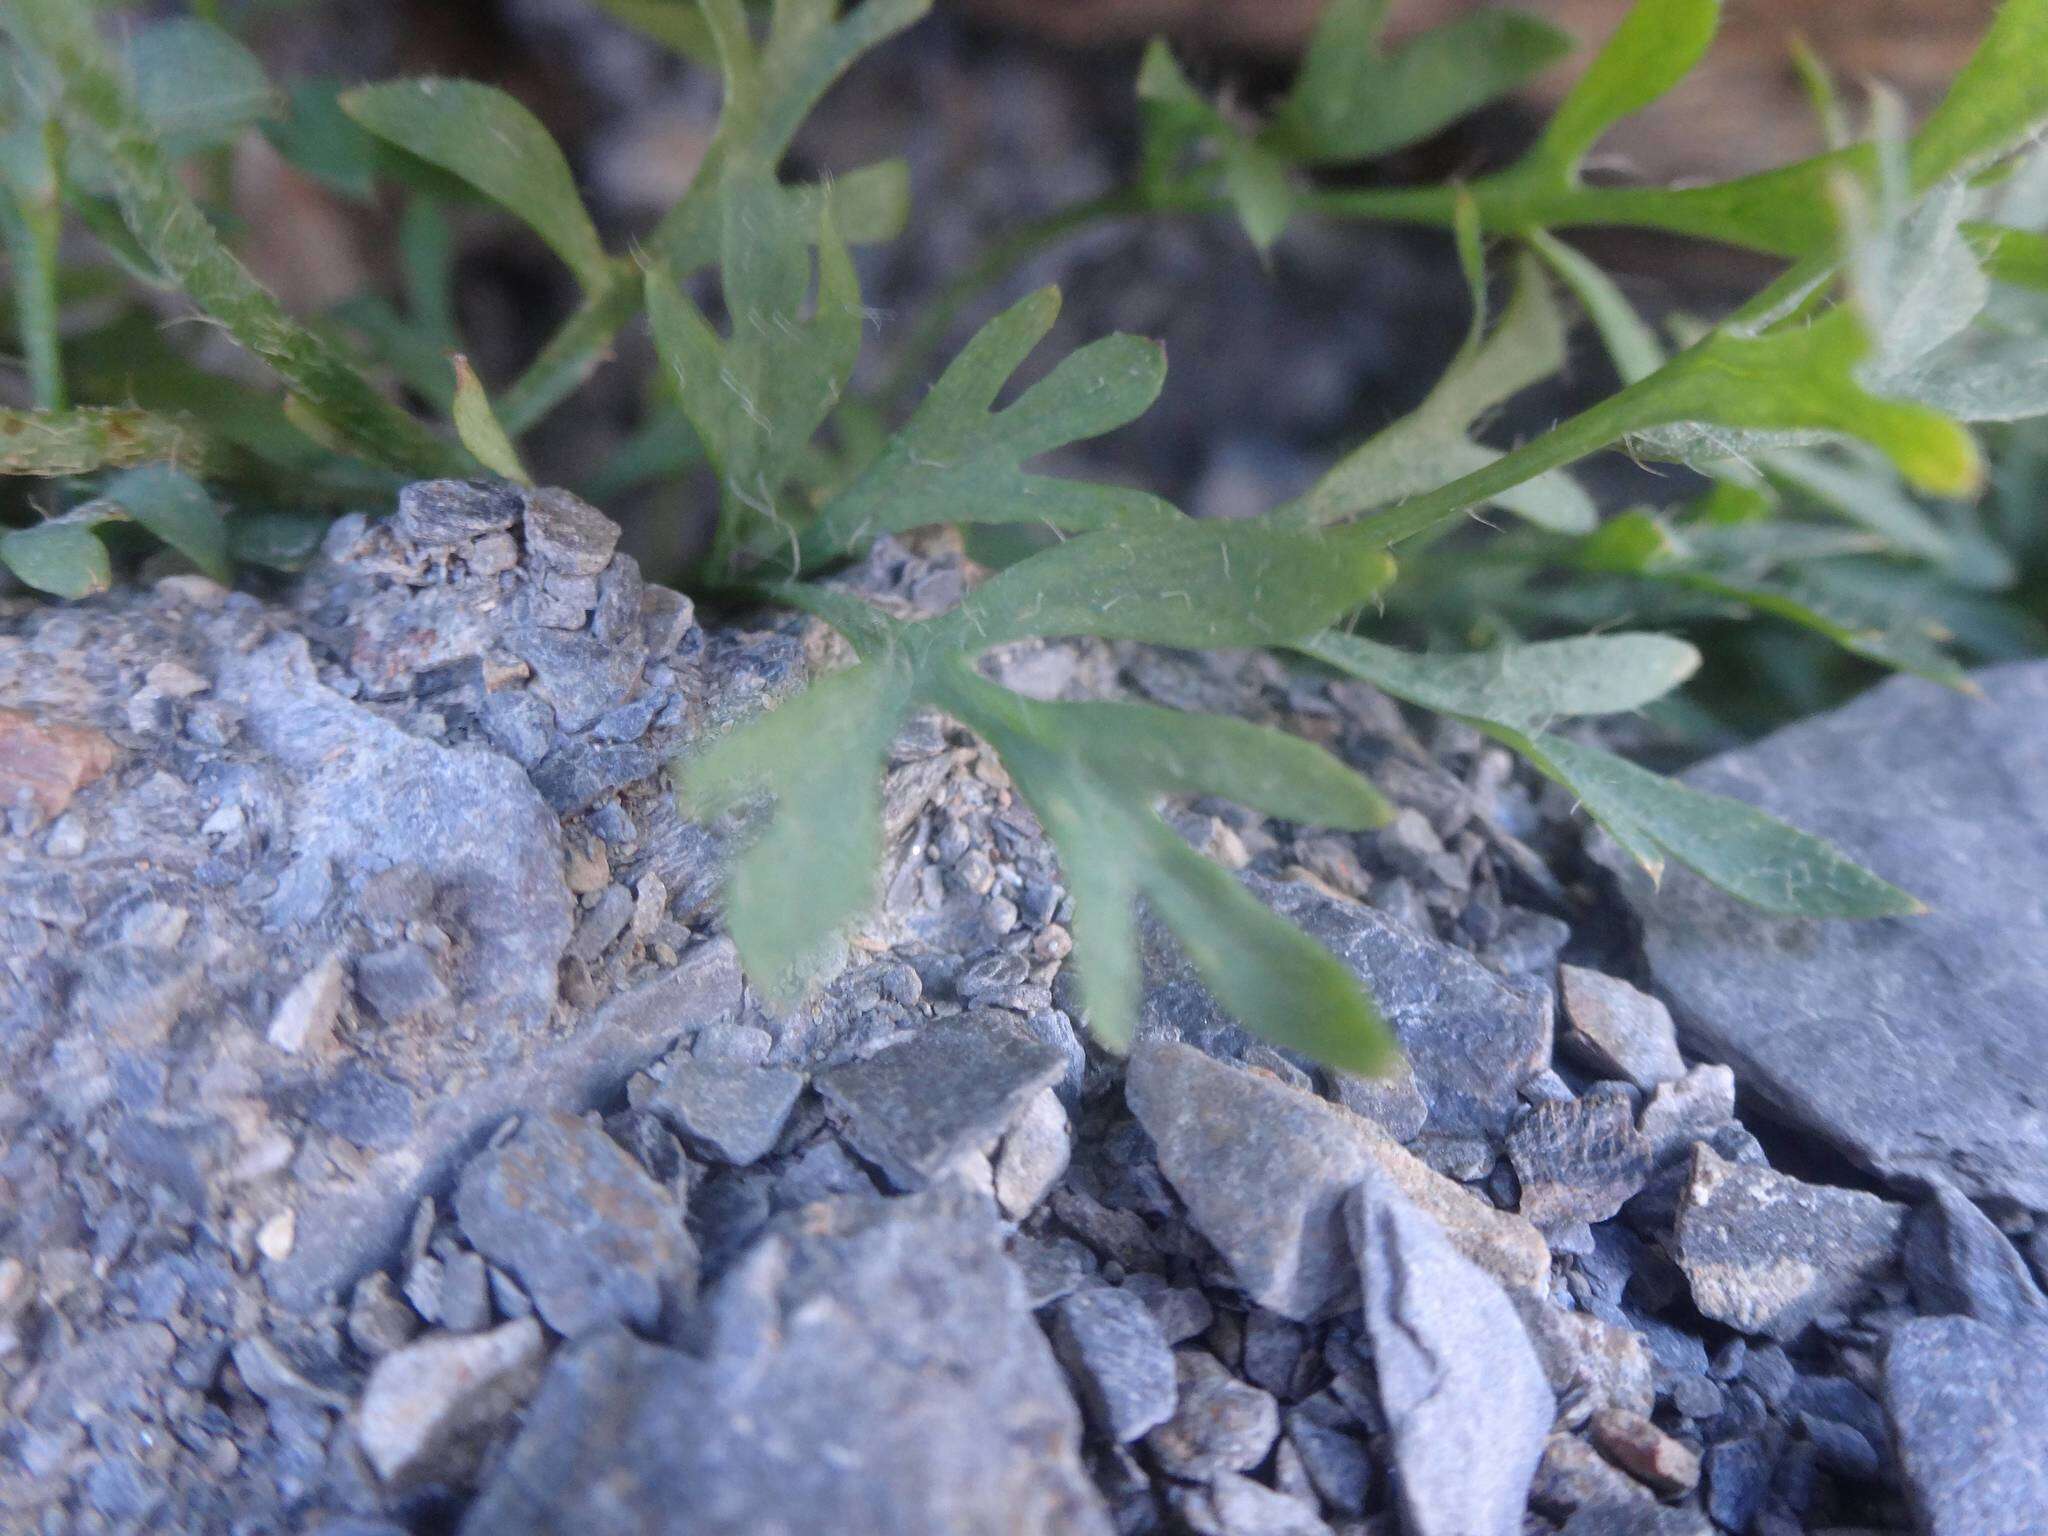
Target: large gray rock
[1470, 1039]
[1968, 1405]
[874, 1367]
[1465, 1398]
[1264, 1169]
[1913, 1044]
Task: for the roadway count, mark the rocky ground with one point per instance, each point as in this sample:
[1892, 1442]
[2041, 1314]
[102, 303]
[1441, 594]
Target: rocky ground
[392, 1145]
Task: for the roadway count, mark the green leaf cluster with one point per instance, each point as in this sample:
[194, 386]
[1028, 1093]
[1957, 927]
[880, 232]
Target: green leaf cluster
[1829, 416]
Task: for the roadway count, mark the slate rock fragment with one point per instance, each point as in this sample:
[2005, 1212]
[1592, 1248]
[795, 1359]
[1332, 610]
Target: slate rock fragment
[730, 1113]
[580, 1224]
[1958, 1262]
[1470, 1038]
[1464, 1395]
[1658, 1461]
[887, 1343]
[1968, 1404]
[916, 1106]
[1688, 1109]
[429, 1409]
[1264, 1169]
[1114, 1352]
[1767, 1254]
[1219, 1424]
[1912, 1044]
[1617, 1030]
[1578, 1161]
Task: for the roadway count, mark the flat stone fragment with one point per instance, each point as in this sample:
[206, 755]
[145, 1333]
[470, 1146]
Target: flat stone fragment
[1033, 1156]
[1470, 1039]
[1617, 1030]
[915, 1107]
[731, 1113]
[1913, 1044]
[1687, 1110]
[1466, 1404]
[1235, 1505]
[1590, 1363]
[1219, 1424]
[1114, 1352]
[43, 763]
[379, 1319]
[1264, 1168]
[1958, 1263]
[342, 1233]
[1579, 1160]
[1333, 1453]
[429, 1409]
[871, 1364]
[1968, 1405]
[1660, 1462]
[1767, 1254]
[580, 1224]
[442, 514]
[1615, 1519]
[1572, 1477]
[565, 533]
[305, 1015]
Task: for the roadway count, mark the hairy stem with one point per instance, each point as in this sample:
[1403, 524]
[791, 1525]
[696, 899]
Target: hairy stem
[31, 221]
[170, 227]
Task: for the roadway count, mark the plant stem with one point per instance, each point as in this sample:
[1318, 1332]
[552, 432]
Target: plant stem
[169, 225]
[31, 221]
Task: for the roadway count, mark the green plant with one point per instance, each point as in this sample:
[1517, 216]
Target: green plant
[1909, 259]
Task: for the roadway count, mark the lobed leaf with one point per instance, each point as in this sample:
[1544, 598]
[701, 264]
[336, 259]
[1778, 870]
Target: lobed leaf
[492, 142]
[1177, 122]
[1146, 752]
[811, 871]
[1266, 972]
[956, 461]
[1994, 104]
[1354, 100]
[757, 397]
[1630, 343]
[1804, 379]
[1655, 47]
[675, 24]
[1431, 445]
[1750, 855]
[1199, 584]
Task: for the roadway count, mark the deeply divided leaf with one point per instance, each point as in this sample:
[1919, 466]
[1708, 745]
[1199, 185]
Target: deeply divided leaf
[958, 461]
